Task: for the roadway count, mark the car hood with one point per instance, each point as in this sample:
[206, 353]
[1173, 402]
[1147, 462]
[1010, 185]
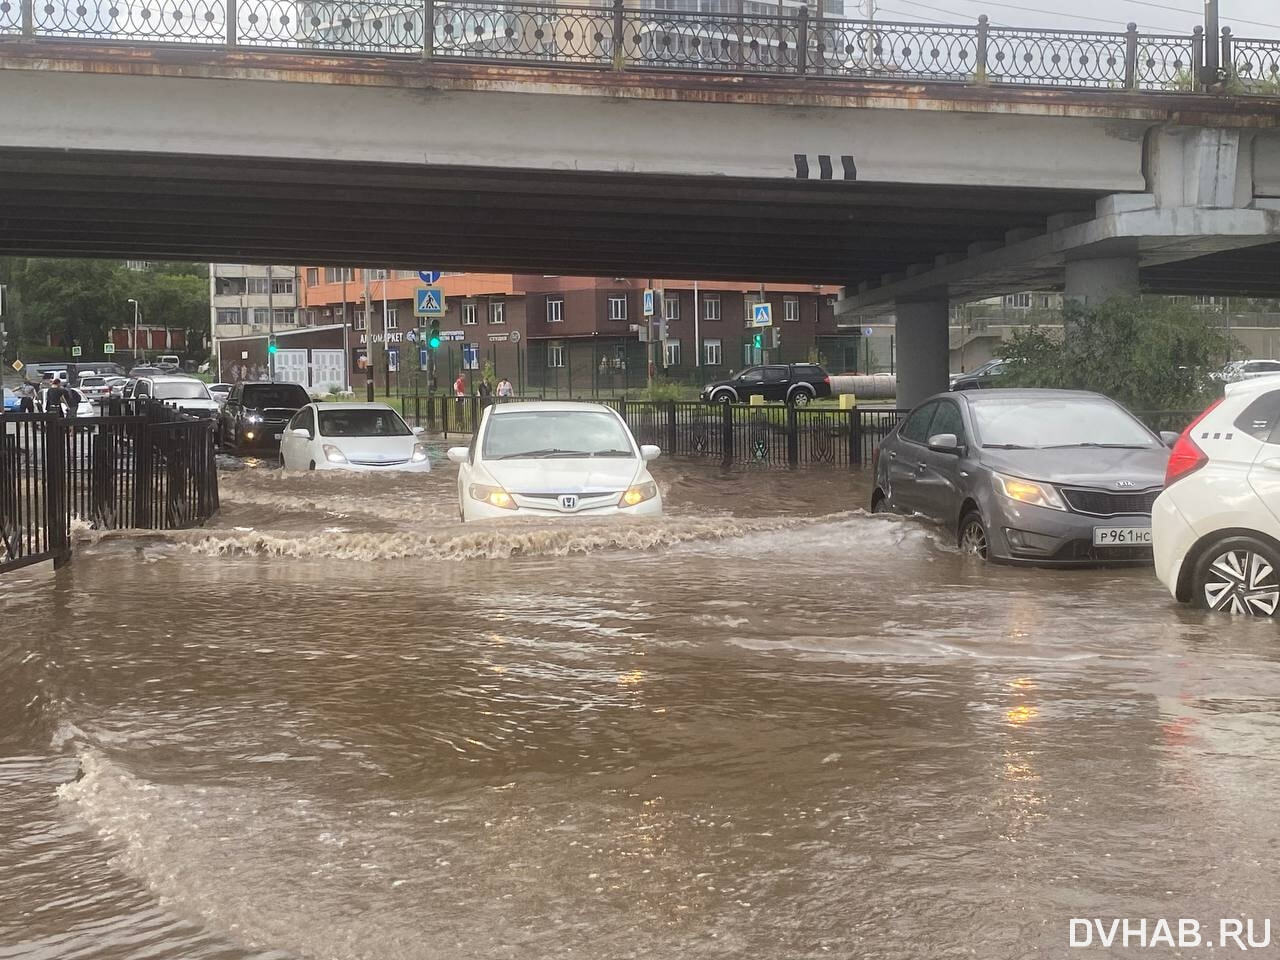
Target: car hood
[192, 404]
[1083, 466]
[374, 449]
[585, 475]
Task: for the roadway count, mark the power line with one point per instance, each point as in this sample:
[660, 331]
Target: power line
[1196, 13]
[1051, 13]
[927, 6]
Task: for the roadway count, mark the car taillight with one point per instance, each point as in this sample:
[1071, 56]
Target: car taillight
[1186, 457]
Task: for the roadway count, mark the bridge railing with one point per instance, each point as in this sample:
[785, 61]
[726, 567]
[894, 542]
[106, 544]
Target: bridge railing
[616, 36]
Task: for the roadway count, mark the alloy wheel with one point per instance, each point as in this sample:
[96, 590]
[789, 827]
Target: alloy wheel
[1243, 582]
[973, 538]
[800, 398]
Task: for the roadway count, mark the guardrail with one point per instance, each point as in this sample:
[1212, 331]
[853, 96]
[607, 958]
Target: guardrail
[620, 37]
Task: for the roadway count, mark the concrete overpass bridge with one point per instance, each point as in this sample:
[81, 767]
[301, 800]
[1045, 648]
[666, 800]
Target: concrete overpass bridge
[914, 164]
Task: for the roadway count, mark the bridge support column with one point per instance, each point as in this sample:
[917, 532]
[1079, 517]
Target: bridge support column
[1094, 281]
[924, 349]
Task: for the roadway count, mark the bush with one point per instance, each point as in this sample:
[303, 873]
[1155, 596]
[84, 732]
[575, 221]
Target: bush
[1146, 354]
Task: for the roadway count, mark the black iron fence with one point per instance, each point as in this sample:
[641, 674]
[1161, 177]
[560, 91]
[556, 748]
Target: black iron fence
[149, 468]
[615, 36]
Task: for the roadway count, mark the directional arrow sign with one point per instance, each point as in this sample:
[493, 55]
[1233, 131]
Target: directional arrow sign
[429, 277]
[428, 302]
[762, 315]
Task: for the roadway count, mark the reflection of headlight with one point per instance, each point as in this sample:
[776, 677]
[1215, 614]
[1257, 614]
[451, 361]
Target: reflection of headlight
[333, 454]
[419, 453]
[494, 496]
[639, 494]
[1024, 491]
[252, 418]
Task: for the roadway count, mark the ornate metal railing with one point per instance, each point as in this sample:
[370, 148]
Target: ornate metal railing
[612, 35]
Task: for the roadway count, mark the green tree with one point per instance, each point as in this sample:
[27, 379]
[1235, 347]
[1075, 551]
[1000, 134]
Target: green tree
[75, 300]
[1149, 354]
[171, 299]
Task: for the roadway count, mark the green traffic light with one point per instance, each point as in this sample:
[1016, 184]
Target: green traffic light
[758, 340]
[272, 348]
[434, 343]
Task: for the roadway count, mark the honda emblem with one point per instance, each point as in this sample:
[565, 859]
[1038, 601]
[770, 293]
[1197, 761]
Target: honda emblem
[568, 502]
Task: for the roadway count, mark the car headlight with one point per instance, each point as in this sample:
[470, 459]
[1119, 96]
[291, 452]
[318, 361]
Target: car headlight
[639, 494]
[333, 454]
[253, 418]
[419, 453]
[1025, 491]
[494, 496]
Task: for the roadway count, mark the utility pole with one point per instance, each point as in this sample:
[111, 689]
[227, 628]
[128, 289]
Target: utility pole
[369, 355]
[1212, 44]
[271, 329]
[136, 313]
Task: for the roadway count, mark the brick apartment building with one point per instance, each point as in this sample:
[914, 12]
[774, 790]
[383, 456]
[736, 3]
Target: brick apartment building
[567, 335]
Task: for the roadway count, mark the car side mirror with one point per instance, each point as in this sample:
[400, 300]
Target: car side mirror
[1169, 438]
[301, 432]
[649, 451]
[945, 443]
[457, 454]
[418, 430]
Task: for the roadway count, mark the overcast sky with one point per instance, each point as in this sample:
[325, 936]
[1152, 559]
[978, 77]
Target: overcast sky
[1154, 16]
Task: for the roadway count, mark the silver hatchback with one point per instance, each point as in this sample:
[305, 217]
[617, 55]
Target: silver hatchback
[1033, 476]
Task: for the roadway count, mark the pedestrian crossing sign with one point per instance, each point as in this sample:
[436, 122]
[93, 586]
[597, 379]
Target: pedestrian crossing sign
[428, 302]
[761, 315]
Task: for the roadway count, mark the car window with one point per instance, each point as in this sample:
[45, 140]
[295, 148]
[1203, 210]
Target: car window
[182, 390]
[752, 375]
[916, 427]
[300, 420]
[947, 420]
[775, 373]
[142, 389]
[362, 423]
[1261, 418]
[234, 396]
[263, 395]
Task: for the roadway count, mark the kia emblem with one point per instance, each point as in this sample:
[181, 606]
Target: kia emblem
[568, 502]
[1125, 483]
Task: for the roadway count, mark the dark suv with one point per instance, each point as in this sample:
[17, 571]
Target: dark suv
[255, 414]
[796, 383]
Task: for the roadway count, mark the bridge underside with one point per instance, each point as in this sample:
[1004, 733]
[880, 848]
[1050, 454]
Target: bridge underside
[238, 209]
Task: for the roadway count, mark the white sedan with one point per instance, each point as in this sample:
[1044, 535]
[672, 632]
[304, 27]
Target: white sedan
[554, 459]
[351, 436]
[1215, 529]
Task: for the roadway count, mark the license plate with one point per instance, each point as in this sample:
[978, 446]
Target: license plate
[1122, 536]
[279, 436]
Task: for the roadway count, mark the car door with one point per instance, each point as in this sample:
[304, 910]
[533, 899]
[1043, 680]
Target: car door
[938, 481]
[902, 458]
[227, 418]
[776, 381]
[749, 381]
[293, 448]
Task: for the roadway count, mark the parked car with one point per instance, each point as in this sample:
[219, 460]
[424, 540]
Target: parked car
[186, 394]
[1216, 526]
[352, 436]
[169, 362]
[554, 459]
[145, 370]
[981, 377]
[1249, 370]
[94, 388]
[220, 391]
[795, 383]
[255, 413]
[11, 402]
[116, 385]
[1038, 476]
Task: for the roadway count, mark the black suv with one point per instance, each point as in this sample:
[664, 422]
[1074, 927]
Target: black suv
[796, 383]
[255, 414]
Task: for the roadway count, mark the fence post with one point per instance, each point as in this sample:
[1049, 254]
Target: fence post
[417, 410]
[428, 29]
[1197, 58]
[802, 42]
[855, 436]
[1131, 57]
[57, 508]
[619, 56]
[726, 430]
[793, 436]
[980, 55]
[142, 470]
[671, 426]
[28, 19]
[233, 25]
[1227, 64]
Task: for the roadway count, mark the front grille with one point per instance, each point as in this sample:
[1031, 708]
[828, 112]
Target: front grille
[1083, 551]
[198, 412]
[381, 463]
[1100, 503]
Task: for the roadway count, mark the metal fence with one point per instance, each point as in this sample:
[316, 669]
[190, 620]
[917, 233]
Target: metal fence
[614, 36]
[151, 468]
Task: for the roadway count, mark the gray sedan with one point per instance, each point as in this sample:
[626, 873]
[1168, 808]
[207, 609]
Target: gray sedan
[1039, 476]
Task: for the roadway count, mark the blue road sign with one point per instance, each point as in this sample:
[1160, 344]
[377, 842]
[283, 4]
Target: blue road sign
[471, 356]
[761, 315]
[429, 277]
[648, 303]
[428, 302]
[411, 335]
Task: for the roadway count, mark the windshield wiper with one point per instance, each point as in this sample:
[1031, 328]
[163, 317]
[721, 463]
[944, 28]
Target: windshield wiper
[611, 453]
[539, 454]
[1101, 446]
[1006, 446]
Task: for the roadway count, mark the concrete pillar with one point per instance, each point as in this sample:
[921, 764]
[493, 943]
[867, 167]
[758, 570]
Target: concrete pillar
[1092, 282]
[924, 349]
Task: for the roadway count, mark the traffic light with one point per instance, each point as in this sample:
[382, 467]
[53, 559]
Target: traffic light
[757, 341]
[433, 338]
[271, 345]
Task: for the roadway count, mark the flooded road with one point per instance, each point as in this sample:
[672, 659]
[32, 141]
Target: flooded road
[339, 725]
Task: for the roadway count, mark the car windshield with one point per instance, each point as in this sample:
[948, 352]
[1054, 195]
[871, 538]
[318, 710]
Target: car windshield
[92, 381]
[288, 395]
[1049, 422]
[362, 423]
[181, 390]
[555, 433]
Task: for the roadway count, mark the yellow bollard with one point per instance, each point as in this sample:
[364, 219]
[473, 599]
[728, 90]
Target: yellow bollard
[848, 401]
[757, 400]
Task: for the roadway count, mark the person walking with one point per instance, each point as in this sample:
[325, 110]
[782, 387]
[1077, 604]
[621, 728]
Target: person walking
[27, 397]
[459, 396]
[485, 392]
[56, 398]
[504, 388]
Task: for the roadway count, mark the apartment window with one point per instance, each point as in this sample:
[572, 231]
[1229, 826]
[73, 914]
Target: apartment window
[405, 274]
[284, 285]
[671, 306]
[393, 318]
[313, 276]
[1021, 301]
[617, 308]
[711, 353]
[555, 355]
[468, 313]
[555, 309]
[229, 315]
[497, 311]
[790, 308]
[137, 265]
[377, 274]
[711, 306]
[261, 315]
[672, 354]
[256, 285]
[360, 321]
[284, 316]
[338, 274]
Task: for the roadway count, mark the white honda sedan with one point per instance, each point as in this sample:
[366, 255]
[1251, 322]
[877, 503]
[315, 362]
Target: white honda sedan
[1215, 529]
[351, 436]
[553, 459]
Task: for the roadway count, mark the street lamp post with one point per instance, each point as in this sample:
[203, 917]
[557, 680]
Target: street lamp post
[136, 312]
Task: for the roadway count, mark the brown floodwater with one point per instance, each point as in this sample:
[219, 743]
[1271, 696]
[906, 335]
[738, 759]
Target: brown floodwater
[337, 724]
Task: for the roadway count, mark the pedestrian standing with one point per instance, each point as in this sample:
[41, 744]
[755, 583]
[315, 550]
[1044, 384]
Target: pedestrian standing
[504, 388]
[485, 392]
[55, 398]
[27, 397]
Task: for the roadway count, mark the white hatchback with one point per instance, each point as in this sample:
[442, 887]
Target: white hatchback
[554, 459]
[1216, 527]
[351, 436]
